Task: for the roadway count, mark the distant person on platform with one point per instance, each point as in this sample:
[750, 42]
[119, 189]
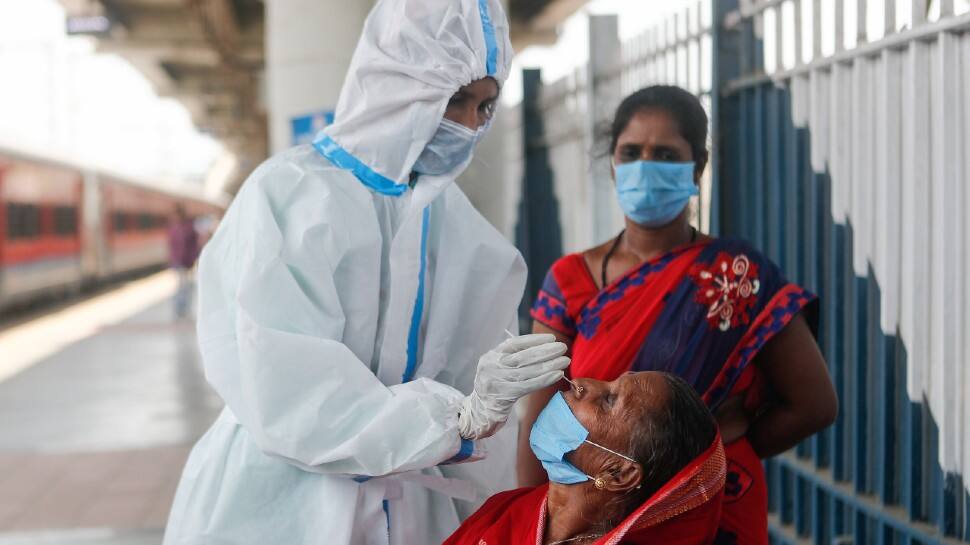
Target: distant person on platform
[183, 250]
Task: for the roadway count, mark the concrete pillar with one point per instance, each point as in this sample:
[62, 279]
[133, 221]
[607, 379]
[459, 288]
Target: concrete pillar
[309, 44]
[603, 94]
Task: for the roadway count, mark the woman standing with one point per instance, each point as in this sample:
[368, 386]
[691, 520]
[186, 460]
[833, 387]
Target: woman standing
[661, 296]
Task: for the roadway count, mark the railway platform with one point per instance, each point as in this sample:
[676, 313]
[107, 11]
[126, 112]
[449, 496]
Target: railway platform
[100, 403]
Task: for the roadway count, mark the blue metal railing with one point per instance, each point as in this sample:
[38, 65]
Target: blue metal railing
[874, 476]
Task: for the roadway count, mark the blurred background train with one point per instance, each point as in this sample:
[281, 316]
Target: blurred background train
[64, 229]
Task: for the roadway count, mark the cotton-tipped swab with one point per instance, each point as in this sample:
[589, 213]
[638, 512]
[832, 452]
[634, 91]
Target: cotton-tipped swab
[573, 385]
[577, 387]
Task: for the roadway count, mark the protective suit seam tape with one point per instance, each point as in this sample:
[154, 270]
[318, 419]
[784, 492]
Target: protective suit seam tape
[418, 300]
[464, 452]
[491, 45]
[343, 159]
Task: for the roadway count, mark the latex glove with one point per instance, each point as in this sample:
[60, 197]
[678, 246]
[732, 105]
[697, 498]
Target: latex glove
[517, 367]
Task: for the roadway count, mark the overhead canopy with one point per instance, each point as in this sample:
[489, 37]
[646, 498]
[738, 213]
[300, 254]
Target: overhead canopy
[209, 54]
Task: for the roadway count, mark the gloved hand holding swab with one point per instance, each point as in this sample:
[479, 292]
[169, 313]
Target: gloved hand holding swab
[576, 387]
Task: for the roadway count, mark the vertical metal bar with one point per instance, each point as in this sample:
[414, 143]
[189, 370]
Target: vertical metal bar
[780, 488]
[801, 505]
[774, 178]
[860, 417]
[809, 264]
[745, 182]
[836, 524]
[817, 28]
[890, 243]
[934, 473]
[779, 40]
[909, 450]
[833, 317]
[818, 255]
[787, 499]
[725, 64]
[653, 71]
[758, 49]
[860, 528]
[919, 8]
[699, 69]
[947, 283]
[758, 140]
[849, 360]
[862, 17]
[914, 279]
[799, 32]
[856, 329]
[876, 393]
[965, 154]
[946, 8]
[839, 25]
[889, 16]
[791, 247]
[671, 49]
[820, 514]
[823, 439]
[747, 39]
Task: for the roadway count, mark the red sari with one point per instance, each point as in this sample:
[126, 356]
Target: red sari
[685, 511]
[702, 312]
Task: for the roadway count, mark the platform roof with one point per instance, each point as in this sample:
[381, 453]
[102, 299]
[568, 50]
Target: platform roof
[209, 55]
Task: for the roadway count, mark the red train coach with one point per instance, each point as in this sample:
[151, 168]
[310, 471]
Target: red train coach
[63, 227]
[40, 239]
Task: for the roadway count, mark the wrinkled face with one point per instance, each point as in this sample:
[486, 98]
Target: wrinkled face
[474, 104]
[611, 411]
[652, 135]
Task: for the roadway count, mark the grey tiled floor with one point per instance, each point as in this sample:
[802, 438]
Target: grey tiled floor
[95, 536]
[93, 438]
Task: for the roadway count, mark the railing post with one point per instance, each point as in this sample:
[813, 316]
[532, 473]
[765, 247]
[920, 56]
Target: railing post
[538, 234]
[919, 8]
[726, 55]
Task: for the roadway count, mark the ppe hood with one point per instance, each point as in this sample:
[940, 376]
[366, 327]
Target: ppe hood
[412, 57]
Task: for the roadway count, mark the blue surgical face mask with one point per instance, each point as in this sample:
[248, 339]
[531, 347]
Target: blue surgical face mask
[654, 193]
[449, 148]
[556, 433]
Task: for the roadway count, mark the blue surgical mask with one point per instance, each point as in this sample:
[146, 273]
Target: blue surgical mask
[555, 434]
[654, 193]
[449, 148]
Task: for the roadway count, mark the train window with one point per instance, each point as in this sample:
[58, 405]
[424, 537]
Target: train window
[119, 222]
[146, 222]
[23, 221]
[65, 220]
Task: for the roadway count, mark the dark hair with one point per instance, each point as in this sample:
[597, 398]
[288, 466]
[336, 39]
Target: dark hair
[669, 439]
[684, 107]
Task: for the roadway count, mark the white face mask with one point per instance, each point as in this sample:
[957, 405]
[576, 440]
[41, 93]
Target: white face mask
[451, 145]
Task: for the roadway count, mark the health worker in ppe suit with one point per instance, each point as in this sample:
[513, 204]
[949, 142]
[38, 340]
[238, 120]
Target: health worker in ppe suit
[353, 305]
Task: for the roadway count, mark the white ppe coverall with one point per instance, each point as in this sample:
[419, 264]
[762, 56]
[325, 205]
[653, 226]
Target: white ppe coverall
[342, 313]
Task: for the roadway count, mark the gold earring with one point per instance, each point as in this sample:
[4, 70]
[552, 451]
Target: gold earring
[599, 483]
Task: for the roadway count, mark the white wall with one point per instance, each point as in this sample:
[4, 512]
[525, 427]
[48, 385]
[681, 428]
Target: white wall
[309, 44]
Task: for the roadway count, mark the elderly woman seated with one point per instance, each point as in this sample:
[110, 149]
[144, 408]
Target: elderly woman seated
[636, 460]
